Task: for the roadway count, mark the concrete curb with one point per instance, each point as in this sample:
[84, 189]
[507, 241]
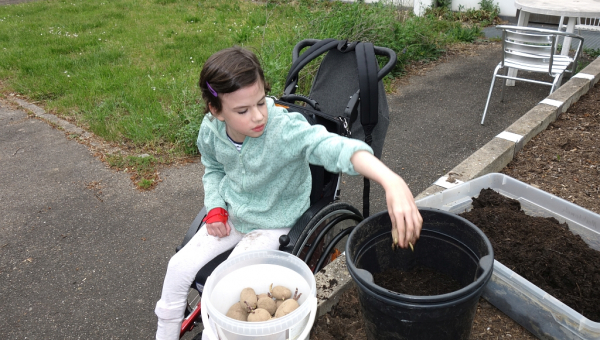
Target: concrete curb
[51, 119]
[334, 279]
[70, 129]
[498, 152]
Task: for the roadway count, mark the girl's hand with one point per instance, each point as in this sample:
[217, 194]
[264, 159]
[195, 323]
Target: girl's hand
[404, 214]
[218, 229]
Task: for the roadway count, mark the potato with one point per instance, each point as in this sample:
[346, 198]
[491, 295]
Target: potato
[286, 308]
[267, 303]
[280, 292]
[394, 238]
[259, 314]
[288, 305]
[260, 296]
[249, 296]
[238, 312]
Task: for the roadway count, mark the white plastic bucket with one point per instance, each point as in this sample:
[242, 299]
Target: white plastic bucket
[258, 270]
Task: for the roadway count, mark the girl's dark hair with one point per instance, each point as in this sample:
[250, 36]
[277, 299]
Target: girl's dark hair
[228, 71]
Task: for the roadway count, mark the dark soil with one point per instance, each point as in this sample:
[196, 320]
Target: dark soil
[419, 281]
[562, 160]
[344, 322]
[541, 250]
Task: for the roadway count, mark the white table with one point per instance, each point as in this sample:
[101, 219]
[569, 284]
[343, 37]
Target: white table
[567, 8]
[571, 9]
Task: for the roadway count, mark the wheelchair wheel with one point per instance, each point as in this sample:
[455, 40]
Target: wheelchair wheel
[324, 237]
[193, 299]
[192, 317]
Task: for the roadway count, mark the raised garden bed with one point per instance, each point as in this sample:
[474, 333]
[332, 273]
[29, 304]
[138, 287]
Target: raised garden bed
[537, 310]
[542, 250]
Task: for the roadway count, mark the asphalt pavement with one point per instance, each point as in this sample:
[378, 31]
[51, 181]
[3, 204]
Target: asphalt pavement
[83, 252]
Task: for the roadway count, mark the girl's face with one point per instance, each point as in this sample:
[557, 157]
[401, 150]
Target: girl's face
[244, 112]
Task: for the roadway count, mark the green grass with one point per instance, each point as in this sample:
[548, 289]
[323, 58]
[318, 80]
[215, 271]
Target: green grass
[127, 70]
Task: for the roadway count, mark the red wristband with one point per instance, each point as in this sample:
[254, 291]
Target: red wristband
[216, 215]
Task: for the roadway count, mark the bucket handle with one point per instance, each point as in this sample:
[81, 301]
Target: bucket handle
[303, 335]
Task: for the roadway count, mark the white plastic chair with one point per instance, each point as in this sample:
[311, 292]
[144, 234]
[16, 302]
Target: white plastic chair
[533, 49]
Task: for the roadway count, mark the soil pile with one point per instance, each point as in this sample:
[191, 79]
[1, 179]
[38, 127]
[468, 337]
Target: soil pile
[541, 250]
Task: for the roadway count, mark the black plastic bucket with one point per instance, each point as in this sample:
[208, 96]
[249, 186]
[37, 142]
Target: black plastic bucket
[450, 245]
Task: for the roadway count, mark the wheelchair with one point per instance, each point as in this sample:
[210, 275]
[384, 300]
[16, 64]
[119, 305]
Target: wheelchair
[348, 70]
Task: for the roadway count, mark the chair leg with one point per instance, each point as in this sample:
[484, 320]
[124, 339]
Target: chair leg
[487, 103]
[557, 82]
[503, 86]
[560, 28]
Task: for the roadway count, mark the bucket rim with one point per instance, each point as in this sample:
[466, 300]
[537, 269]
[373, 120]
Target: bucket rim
[425, 299]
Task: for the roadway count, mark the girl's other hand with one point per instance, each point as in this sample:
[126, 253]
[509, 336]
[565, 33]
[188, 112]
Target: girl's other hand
[218, 229]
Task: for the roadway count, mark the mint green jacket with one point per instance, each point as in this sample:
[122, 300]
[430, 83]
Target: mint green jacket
[267, 184]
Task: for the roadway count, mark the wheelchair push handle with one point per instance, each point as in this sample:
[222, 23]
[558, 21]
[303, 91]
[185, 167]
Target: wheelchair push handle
[392, 59]
[291, 98]
[381, 51]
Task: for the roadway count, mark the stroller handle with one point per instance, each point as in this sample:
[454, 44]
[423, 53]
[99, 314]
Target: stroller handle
[382, 51]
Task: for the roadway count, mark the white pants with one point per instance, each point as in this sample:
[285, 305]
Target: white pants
[186, 263]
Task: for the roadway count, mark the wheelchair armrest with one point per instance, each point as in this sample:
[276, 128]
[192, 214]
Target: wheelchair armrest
[287, 242]
[194, 227]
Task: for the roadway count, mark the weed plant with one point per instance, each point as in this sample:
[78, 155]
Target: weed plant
[487, 13]
[142, 168]
[588, 55]
[592, 53]
[127, 69]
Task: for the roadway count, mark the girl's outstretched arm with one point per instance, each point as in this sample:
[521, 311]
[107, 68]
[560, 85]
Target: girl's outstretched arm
[401, 205]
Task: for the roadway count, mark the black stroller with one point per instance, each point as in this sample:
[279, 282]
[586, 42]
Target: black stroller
[346, 88]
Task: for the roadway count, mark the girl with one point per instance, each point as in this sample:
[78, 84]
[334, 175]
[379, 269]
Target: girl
[257, 179]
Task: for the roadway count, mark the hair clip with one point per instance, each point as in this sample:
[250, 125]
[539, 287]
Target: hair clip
[212, 91]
